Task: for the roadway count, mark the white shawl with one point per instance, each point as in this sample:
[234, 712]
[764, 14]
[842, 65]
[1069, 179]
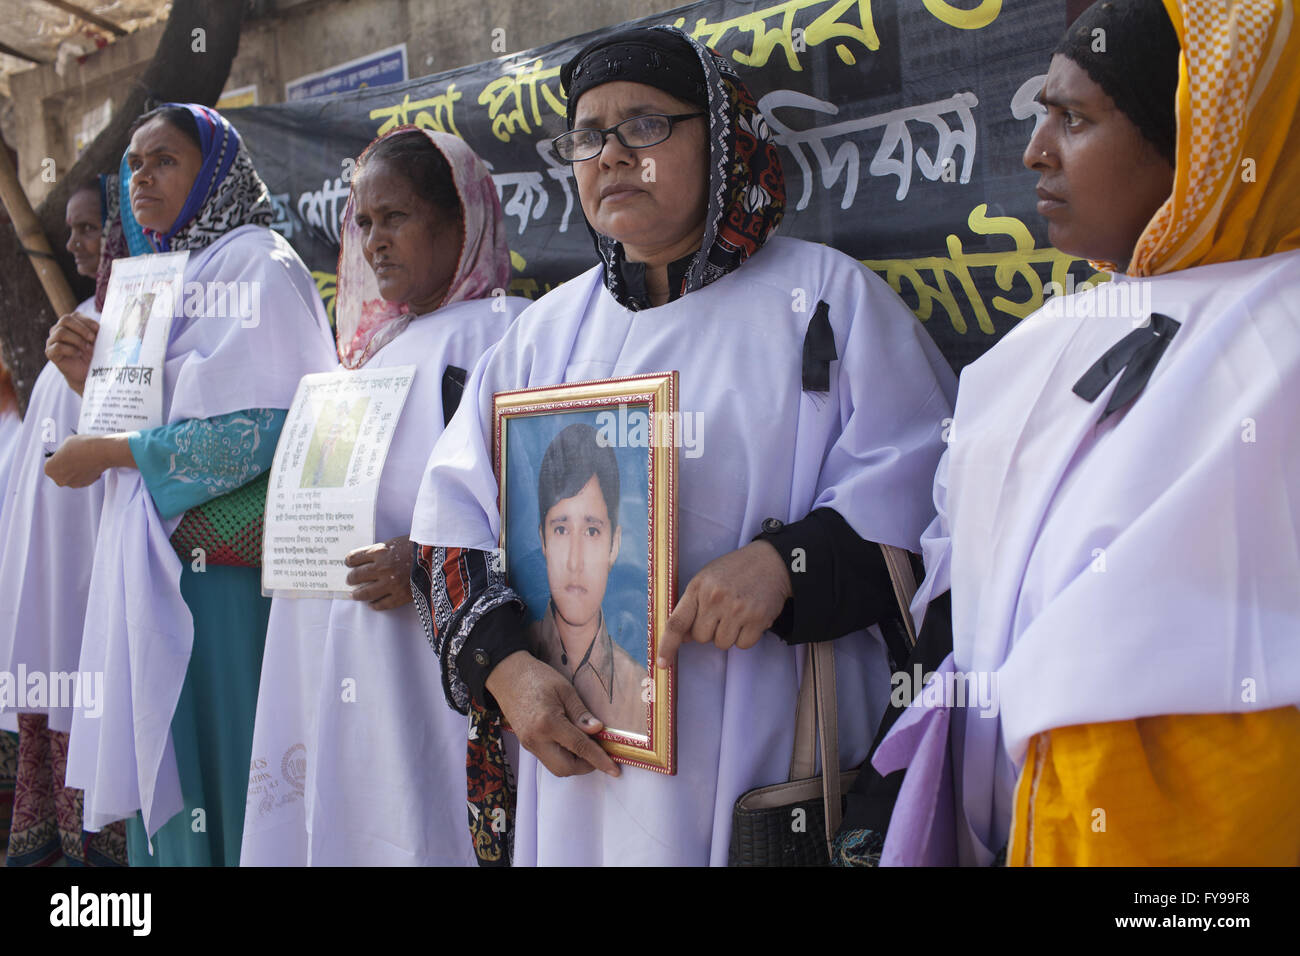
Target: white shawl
[1143, 566]
[47, 537]
[139, 631]
[867, 448]
[378, 780]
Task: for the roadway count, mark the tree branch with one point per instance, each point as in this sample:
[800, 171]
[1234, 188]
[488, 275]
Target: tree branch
[190, 65]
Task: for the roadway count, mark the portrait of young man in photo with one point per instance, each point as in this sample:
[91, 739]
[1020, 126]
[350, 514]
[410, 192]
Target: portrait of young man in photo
[577, 499]
[130, 334]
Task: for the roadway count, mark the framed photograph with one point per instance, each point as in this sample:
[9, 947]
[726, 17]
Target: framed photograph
[587, 479]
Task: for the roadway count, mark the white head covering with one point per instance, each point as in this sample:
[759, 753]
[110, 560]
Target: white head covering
[366, 322]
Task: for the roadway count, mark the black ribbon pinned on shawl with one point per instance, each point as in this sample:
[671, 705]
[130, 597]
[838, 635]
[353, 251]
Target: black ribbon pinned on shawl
[819, 351]
[1136, 353]
[453, 387]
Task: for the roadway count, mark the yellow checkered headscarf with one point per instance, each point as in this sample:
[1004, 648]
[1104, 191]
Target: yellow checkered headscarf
[1237, 179]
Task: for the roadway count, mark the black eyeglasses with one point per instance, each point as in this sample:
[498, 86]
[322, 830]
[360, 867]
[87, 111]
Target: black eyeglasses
[651, 129]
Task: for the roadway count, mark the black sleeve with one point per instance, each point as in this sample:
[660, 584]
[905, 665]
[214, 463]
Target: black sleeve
[840, 581]
[456, 591]
[498, 634]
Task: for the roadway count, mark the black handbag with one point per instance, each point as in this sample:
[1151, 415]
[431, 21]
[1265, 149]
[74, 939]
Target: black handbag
[793, 823]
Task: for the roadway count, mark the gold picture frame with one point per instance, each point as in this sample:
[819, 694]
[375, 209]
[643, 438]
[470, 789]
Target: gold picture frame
[587, 490]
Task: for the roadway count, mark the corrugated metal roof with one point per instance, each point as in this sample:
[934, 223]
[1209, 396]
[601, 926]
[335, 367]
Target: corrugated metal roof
[52, 34]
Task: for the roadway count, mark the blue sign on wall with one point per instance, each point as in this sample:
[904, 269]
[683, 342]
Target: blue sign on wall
[377, 69]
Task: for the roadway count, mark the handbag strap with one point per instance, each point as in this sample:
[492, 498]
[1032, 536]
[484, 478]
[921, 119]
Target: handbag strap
[817, 729]
[805, 723]
[816, 722]
[899, 563]
[828, 726]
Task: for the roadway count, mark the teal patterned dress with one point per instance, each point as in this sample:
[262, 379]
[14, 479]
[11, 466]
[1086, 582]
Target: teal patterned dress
[184, 465]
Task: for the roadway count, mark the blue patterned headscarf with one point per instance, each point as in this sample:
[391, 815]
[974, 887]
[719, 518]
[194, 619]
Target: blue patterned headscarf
[121, 236]
[227, 192]
[132, 231]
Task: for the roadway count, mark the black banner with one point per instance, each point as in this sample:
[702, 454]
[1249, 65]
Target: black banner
[902, 126]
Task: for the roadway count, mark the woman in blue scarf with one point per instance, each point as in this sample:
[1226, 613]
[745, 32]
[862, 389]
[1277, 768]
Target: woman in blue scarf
[178, 622]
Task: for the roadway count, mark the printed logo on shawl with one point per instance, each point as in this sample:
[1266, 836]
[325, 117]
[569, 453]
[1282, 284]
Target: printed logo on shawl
[293, 767]
[266, 791]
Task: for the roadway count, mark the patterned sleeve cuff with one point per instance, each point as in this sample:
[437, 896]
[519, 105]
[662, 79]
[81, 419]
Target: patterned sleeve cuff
[454, 589]
[489, 632]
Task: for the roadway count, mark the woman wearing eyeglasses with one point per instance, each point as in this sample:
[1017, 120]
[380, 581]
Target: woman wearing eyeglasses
[821, 399]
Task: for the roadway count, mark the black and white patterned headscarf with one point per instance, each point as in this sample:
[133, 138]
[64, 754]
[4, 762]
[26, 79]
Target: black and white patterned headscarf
[227, 192]
[746, 185]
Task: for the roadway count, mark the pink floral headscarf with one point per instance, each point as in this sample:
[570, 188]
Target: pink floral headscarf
[364, 320]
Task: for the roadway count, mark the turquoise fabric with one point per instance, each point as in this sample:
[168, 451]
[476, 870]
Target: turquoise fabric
[183, 465]
[189, 463]
[212, 729]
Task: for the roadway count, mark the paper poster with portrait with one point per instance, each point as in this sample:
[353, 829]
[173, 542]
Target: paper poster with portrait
[587, 478]
[324, 482]
[124, 386]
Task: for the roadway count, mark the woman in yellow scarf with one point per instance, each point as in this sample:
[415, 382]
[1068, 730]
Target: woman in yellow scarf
[1119, 508]
[1199, 788]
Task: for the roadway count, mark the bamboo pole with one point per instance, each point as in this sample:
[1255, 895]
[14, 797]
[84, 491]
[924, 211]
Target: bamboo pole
[33, 240]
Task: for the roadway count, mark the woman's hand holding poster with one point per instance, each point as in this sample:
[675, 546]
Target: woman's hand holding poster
[325, 478]
[124, 387]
